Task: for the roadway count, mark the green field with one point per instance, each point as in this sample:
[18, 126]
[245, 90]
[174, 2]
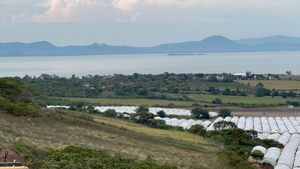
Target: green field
[275, 84]
[240, 99]
[133, 102]
[202, 99]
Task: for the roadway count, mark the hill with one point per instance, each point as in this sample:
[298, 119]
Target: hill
[44, 137]
[210, 44]
[52, 131]
[16, 97]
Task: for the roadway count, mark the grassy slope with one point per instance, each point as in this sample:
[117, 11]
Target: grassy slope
[56, 130]
[275, 84]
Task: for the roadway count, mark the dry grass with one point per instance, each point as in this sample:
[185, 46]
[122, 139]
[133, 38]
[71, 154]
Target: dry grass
[56, 130]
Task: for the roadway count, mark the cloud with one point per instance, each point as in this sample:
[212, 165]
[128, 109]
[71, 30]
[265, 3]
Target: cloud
[134, 10]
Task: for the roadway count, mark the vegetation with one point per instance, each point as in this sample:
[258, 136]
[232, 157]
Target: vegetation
[257, 155]
[15, 98]
[282, 85]
[224, 113]
[161, 114]
[78, 158]
[200, 113]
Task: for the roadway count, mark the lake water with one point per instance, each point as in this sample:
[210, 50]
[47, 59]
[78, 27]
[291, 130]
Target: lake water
[258, 62]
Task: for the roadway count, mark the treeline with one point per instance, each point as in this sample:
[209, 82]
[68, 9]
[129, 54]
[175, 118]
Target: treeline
[262, 91]
[163, 86]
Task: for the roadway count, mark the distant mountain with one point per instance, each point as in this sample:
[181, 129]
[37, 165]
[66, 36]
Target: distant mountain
[270, 40]
[210, 44]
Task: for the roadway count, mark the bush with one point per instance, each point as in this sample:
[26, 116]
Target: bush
[224, 113]
[142, 109]
[257, 155]
[222, 125]
[294, 103]
[143, 117]
[197, 129]
[161, 114]
[158, 124]
[110, 113]
[200, 113]
[217, 101]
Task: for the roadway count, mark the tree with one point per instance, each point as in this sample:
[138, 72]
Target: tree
[217, 101]
[224, 113]
[110, 113]
[197, 129]
[222, 125]
[161, 124]
[200, 113]
[142, 109]
[143, 117]
[161, 114]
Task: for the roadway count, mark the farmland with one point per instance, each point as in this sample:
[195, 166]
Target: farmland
[201, 99]
[275, 84]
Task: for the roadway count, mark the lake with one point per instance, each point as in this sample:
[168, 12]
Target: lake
[258, 62]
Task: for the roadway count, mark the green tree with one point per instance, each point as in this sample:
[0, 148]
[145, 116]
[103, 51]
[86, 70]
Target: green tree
[197, 129]
[110, 113]
[161, 114]
[200, 113]
[142, 109]
[224, 113]
[222, 125]
[161, 124]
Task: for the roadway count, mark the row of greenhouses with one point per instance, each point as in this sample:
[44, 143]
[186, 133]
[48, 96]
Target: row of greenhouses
[153, 110]
[287, 157]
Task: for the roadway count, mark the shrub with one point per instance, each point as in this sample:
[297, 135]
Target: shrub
[142, 109]
[143, 117]
[257, 155]
[217, 101]
[197, 129]
[158, 124]
[161, 114]
[224, 113]
[200, 113]
[222, 125]
[110, 113]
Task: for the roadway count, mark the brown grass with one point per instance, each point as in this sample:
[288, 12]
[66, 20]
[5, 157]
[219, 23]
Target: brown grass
[56, 130]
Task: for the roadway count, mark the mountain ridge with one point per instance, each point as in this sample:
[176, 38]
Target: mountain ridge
[215, 43]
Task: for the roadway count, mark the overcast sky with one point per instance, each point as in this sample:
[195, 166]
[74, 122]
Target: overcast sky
[144, 22]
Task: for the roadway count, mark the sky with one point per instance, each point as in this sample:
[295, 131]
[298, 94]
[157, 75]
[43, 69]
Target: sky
[144, 22]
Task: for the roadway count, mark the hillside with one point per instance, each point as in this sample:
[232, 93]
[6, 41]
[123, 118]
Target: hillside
[210, 44]
[41, 135]
[56, 130]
